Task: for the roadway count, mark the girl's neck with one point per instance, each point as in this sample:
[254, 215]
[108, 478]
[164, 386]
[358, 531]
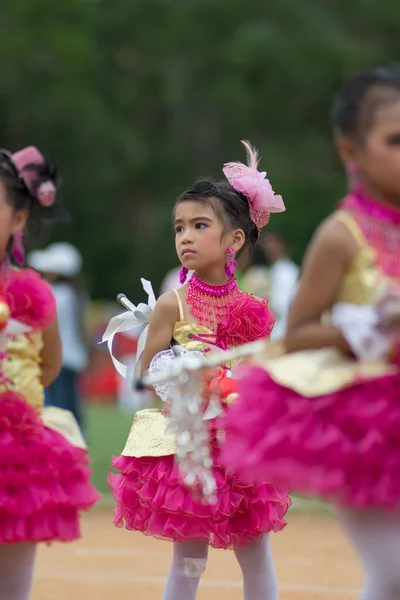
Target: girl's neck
[362, 190]
[213, 277]
[376, 207]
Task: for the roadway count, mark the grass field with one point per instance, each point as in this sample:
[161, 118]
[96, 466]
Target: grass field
[107, 431]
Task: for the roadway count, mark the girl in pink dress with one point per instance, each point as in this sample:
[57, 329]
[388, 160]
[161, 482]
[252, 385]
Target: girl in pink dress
[325, 419]
[213, 223]
[45, 480]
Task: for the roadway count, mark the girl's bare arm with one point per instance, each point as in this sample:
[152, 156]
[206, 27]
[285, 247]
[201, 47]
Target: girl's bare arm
[51, 355]
[325, 264]
[161, 327]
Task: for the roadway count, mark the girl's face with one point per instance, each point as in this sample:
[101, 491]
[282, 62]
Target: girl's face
[199, 240]
[10, 221]
[377, 159]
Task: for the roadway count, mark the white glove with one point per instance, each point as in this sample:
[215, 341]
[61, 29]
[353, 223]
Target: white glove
[359, 325]
[388, 308]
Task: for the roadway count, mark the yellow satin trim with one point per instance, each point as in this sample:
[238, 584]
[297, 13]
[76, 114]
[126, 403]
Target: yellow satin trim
[313, 373]
[64, 422]
[149, 435]
[22, 368]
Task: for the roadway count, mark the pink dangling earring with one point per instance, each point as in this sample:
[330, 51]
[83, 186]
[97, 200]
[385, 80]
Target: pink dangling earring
[183, 275]
[230, 264]
[17, 249]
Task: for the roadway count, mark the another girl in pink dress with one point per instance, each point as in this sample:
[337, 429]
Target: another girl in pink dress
[45, 479]
[325, 419]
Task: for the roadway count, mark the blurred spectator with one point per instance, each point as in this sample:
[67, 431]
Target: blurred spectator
[171, 280]
[284, 275]
[61, 264]
[254, 278]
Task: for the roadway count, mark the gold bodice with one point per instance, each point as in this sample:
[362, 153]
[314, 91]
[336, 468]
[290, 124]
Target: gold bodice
[22, 367]
[185, 331]
[364, 280]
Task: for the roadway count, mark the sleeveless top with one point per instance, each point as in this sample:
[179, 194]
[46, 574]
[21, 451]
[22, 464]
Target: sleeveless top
[22, 368]
[364, 279]
[317, 372]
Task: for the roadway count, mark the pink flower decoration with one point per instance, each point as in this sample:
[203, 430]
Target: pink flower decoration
[248, 319]
[30, 299]
[46, 194]
[254, 184]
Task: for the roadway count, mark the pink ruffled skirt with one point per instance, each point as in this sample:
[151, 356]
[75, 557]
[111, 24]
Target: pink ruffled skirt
[343, 447]
[151, 498]
[44, 480]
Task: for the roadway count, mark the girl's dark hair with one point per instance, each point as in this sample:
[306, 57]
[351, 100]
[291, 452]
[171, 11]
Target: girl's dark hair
[20, 197]
[231, 207]
[355, 106]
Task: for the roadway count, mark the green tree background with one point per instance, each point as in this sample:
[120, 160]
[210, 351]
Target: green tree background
[135, 99]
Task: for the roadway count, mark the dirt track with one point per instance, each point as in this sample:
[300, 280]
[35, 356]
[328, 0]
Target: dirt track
[312, 558]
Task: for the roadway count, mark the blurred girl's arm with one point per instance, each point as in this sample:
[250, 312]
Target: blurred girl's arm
[325, 264]
[51, 355]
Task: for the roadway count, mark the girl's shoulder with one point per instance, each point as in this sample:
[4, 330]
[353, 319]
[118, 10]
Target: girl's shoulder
[168, 306]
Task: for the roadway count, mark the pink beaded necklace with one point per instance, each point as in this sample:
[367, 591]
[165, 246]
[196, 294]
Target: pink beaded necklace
[208, 303]
[380, 224]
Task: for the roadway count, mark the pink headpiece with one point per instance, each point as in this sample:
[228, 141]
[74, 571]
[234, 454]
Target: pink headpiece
[254, 184]
[24, 161]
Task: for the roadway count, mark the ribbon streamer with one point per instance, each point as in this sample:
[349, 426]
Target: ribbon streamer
[139, 316]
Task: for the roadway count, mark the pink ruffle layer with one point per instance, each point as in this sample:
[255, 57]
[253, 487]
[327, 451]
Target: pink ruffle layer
[343, 447]
[44, 480]
[151, 498]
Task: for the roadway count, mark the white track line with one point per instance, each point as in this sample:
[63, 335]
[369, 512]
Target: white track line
[131, 553]
[112, 578]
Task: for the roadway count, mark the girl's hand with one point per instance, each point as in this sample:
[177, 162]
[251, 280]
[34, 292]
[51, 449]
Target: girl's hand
[388, 308]
[358, 324]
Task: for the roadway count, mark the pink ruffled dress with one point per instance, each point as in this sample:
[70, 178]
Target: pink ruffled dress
[45, 478]
[316, 421]
[152, 498]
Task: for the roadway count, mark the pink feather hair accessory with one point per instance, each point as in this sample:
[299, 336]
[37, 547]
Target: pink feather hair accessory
[253, 184]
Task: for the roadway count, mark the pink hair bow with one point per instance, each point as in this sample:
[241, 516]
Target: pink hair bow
[253, 184]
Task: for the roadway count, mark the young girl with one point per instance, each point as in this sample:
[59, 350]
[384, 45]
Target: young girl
[45, 480]
[325, 419]
[214, 223]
